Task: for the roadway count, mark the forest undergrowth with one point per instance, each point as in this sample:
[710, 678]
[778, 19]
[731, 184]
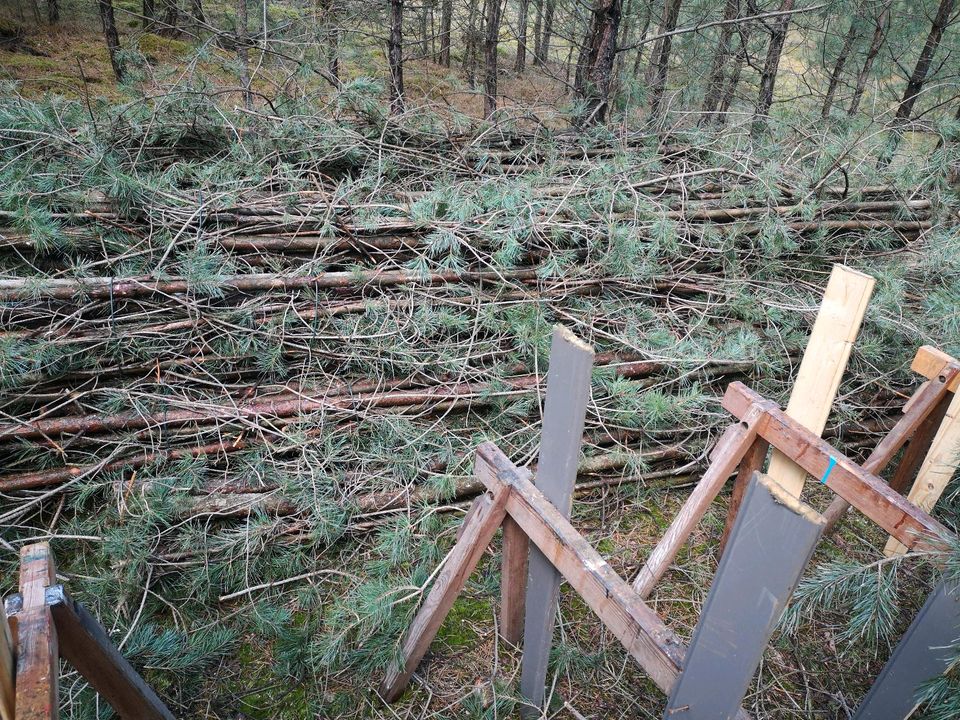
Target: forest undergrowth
[246, 357]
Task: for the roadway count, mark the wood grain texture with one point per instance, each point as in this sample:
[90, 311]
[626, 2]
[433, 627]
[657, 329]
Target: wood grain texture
[460, 563]
[930, 362]
[770, 545]
[513, 580]
[824, 360]
[922, 406]
[751, 462]
[922, 654]
[85, 645]
[564, 415]
[937, 469]
[655, 647]
[730, 449]
[38, 659]
[8, 669]
[866, 492]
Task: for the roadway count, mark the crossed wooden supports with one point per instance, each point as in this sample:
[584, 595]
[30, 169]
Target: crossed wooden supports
[44, 624]
[771, 536]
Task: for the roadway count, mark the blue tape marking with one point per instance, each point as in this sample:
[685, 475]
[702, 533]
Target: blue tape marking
[826, 474]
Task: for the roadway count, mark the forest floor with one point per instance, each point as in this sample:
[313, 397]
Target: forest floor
[233, 339]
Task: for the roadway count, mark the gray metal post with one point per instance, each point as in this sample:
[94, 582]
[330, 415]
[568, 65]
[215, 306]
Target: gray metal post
[922, 654]
[568, 390]
[770, 544]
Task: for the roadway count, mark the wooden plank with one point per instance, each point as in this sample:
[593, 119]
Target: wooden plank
[930, 362]
[655, 647]
[513, 580]
[918, 447]
[751, 462]
[922, 405]
[824, 360]
[922, 654]
[38, 661]
[8, 669]
[85, 645]
[726, 456]
[771, 543]
[866, 492]
[937, 469]
[459, 565]
[565, 409]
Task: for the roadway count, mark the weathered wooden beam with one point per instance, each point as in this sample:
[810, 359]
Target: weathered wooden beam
[866, 492]
[8, 670]
[85, 645]
[922, 405]
[771, 543]
[922, 654]
[513, 580]
[824, 360]
[38, 659]
[918, 447]
[751, 462]
[655, 647]
[724, 459]
[937, 469]
[564, 415]
[930, 362]
[477, 533]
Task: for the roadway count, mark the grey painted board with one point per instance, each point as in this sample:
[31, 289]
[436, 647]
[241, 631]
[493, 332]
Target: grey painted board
[770, 544]
[568, 390]
[922, 654]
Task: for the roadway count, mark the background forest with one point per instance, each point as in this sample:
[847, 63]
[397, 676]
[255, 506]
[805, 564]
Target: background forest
[270, 270]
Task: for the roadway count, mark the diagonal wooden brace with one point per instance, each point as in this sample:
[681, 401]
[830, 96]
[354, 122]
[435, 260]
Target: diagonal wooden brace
[862, 489]
[655, 647]
[484, 518]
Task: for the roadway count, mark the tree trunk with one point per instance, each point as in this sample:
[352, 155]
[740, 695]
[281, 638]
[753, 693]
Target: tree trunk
[395, 57]
[424, 34]
[721, 58]
[919, 76]
[879, 34]
[661, 56]
[243, 55]
[638, 60]
[53, 11]
[446, 19]
[171, 17]
[768, 78]
[550, 7]
[329, 36]
[595, 68]
[838, 68]
[149, 9]
[720, 117]
[538, 33]
[110, 35]
[522, 11]
[490, 41]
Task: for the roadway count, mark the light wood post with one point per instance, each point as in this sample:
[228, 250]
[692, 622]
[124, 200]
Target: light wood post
[937, 468]
[824, 360]
[568, 390]
[771, 543]
[38, 659]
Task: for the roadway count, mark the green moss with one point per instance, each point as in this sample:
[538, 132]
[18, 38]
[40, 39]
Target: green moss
[458, 629]
[156, 48]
